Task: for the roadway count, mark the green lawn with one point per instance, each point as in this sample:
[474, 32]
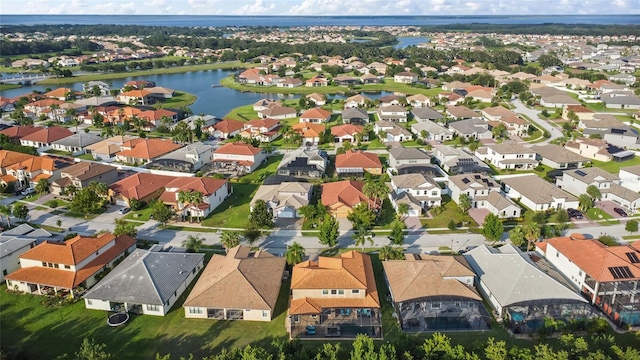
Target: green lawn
[179, 99]
[56, 203]
[242, 113]
[188, 228]
[8, 86]
[597, 214]
[234, 211]
[266, 169]
[441, 220]
[143, 214]
[170, 70]
[45, 333]
[85, 157]
[388, 215]
[614, 166]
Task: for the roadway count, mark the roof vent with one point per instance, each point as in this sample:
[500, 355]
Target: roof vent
[576, 236]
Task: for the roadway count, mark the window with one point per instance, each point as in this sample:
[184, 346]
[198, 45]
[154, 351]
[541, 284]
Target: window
[456, 304]
[67, 267]
[56, 266]
[4, 272]
[265, 313]
[435, 305]
[434, 193]
[355, 291]
[579, 273]
[325, 292]
[341, 292]
[89, 302]
[333, 292]
[44, 264]
[195, 310]
[50, 265]
[153, 308]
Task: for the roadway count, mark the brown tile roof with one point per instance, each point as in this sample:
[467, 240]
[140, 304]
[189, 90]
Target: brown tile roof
[358, 159]
[499, 111]
[277, 110]
[267, 123]
[595, 258]
[59, 92]
[347, 192]
[316, 113]
[308, 129]
[140, 185]
[14, 160]
[17, 132]
[351, 270]
[579, 109]
[347, 129]
[238, 148]
[148, 148]
[228, 125]
[65, 278]
[85, 170]
[44, 103]
[48, 135]
[239, 280]
[206, 186]
[428, 276]
[71, 252]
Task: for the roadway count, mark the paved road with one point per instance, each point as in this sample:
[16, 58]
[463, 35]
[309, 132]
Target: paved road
[533, 114]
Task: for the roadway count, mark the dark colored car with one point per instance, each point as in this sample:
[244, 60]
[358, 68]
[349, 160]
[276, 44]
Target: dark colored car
[574, 213]
[620, 211]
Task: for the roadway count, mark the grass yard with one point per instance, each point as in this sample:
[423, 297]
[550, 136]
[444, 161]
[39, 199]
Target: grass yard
[234, 211]
[242, 113]
[45, 333]
[597, 214]
[56, 203]
[85, 157]
[388, 215]
[143, 214]
[9, 86]
[614, 166]
[179, 99]
[266, 169]
[451, 212]
[188, 228]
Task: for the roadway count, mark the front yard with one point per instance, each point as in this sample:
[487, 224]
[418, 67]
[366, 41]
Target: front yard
[451, 212]
[614, 166]
[234, 211]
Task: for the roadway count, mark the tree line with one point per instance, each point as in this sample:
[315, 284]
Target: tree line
[12, 48]
[546, 28]
[109, 29]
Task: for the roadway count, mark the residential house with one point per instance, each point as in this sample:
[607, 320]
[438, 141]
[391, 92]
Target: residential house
[621, 101]
[241, 285]
[379, 67]
[143, 187]
[577, 181]
[356, 101]
[283, 200]
[278, 112]
[515, 125]
[24, 170]
[64, 266]
[457, 161]
[392, 132]
[135, 97]
[348, 133]
[392, 113]
[43, 107]
[484, 193]
[317, 99]
[188, 159]
[471, 129]
[317, 80]
[289, 82]
[410, 160]
[103, 88]
[142, 151]
[434, 131]
[558, 157]
[44, 138]
[238, 156]
[508, 155]
[305, 163]
[264, 104]
[81, 174]
[265, 130]
[537, 194]
[15, 242]
[356, 163]
[581, 112]
[214, 192]
[345, 80]
[334, 297]
[597, 149]
[484, 95]
[389, 100]
[146, 283]
[225, 129]
[76, 143]
[107, 149]
[420, 192]
[558, 101]
[600, 122]
[342, 196]
[502, 206]
[424, 114]
[630, 177]
[434, 293]
[607, 275]
[520, 292]
[315, 116]
[63, 94]
[310, 132]
[205, 121]
[355, 116]
[15, 133]
[405, 77]
[455, 85]
[419, 101]
[459, 112]
[160, 92]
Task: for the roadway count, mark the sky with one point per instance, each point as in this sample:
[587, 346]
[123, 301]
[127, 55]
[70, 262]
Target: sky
[322, 7]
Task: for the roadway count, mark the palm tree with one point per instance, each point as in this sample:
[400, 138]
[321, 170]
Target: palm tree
[376, 190]
[100, 188]
[107, 132]
[295, 253]
[361, 236]
[54, 109]
[389, 252]
[6, 211]
[585, 202]
[42, 186]
[517, 236]
[594, 192]
[531, 233]
[193, 243]
[71, 189]
[403, 210]
[230, 239]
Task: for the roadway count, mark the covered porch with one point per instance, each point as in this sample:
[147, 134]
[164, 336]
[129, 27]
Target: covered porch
[442, 314]
[343, 323]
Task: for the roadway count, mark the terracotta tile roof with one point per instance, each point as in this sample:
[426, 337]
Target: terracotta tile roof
[8, 158]
[347, 129]
[17, 132]
[206, 186]
[579, 109]
[70, 279]
[595, 258]
[351, 270]
[240, 280]
[135, 93]
[358, 159]
[316, 113]
[45, 103]
[309, 129]
[229, 125]
[238, 148]
[347, 192]
[140, 185]
[428, 276]
[59, 92]
[71, 252]
[148, 148]
[48, 135]
[267, 123]
[15, 160]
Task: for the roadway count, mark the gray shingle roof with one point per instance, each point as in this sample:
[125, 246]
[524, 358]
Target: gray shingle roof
[403, 153]
[146, 277]
[74, 140]
[557, 153]
[426, 113]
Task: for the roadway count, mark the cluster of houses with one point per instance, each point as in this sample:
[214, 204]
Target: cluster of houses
[566, 278]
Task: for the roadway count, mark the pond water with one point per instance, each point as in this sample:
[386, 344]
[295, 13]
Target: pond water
[406, 41]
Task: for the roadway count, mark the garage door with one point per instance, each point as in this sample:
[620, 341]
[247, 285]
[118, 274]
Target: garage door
[121, 203]
[287, 214]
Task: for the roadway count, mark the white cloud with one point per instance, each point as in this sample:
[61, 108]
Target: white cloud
[256, 8]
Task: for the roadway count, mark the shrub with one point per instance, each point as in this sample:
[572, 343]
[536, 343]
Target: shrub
[53, 204]
[70, 236]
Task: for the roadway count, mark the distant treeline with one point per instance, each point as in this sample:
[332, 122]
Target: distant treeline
[11, 48]
[105, 30]
[547, 28]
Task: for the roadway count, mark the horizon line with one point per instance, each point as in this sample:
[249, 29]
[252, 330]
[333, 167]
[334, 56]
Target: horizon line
[315, 16]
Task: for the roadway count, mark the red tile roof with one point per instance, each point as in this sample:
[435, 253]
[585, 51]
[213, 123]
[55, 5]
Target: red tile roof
[206, 186]
[147, 148]
[18, 132]
[48, 135]
[358, 159]
[347, 192]
[238, 148]
[228, 126]
[140, 185]
[347, 129]
[316, 113]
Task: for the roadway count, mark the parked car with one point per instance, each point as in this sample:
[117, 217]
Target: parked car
[574, 213]
[28, 191]
[124, 211]
[620, 211]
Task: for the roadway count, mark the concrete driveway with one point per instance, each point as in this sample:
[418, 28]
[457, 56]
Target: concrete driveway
[413, 223]
[608, 206]
[478, 215]
[288, 224]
